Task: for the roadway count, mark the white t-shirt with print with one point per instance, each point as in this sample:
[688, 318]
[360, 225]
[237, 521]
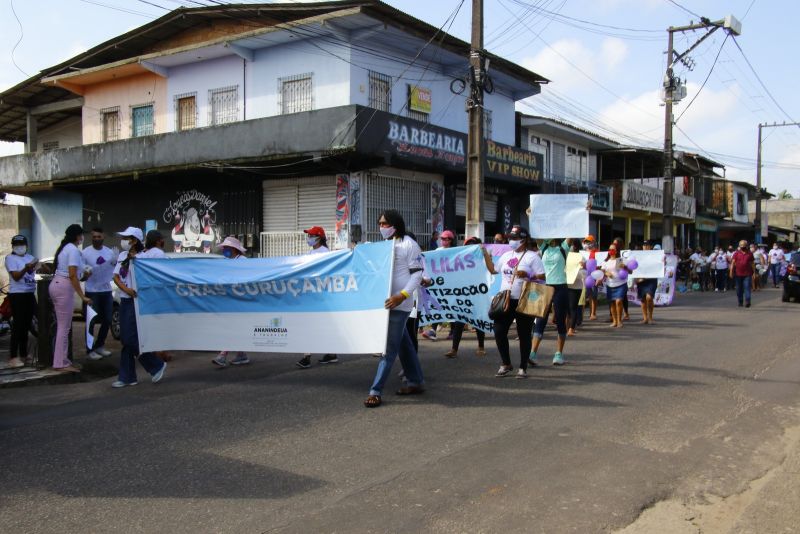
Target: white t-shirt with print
[776, 256]
[102, 263]
[526, 261]
[26, 284]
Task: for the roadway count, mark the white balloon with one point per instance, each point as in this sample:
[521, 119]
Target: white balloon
[597, 275]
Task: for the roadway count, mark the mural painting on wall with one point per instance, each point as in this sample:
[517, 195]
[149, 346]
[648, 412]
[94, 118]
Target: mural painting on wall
[194, 222]
[342, 211]
[437, 207]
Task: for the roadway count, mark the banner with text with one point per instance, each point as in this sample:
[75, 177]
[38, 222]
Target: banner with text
[558, 216]
[650, 263]
[461, 287]
[317, 303]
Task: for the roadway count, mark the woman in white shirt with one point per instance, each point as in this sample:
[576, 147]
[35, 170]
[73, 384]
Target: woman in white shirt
[515, 267]
[232, 249]
[616, 286]
[21, 288]
[406, 278]
[63, 286]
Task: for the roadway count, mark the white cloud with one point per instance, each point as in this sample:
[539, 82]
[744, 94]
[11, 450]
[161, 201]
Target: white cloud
[559, 61]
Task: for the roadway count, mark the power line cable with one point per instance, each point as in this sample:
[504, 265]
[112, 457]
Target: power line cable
[21, 36]
[676, 4]
[704, 81]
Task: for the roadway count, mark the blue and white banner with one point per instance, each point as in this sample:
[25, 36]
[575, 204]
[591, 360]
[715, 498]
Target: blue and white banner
[461, 287]
[317, 303]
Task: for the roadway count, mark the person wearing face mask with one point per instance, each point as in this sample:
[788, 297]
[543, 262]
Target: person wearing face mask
[232, 249]
[554, 259]
[67, 263]
[741, 270]
[406, 278]
[618, 244]
[616, 286]
[760, 266]
[101, 260]
[21, 288]
[590, 246]
[315, 237]
[132, 247]
[776, 258]
[515, 266]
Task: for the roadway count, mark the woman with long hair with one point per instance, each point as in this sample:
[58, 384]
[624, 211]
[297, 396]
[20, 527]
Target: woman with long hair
[515, 266]
[616, 285]
[406, 277]
[65, 283]
[554, 260]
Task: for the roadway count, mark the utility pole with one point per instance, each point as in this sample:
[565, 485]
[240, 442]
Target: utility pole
[674, 91]
[474, 222]
[758, 222]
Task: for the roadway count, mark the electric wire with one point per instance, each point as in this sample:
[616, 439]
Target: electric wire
[21, 36]
[685, 109]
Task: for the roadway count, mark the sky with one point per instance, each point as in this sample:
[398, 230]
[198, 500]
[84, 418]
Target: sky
[605, 58]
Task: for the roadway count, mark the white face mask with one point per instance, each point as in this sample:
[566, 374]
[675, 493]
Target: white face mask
[387, 232]
[20, 250]
[125, 244]
[80, 242]
[312, 240]
[514, 244]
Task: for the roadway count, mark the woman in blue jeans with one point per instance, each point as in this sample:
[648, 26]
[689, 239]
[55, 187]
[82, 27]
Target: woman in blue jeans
[132, 246]
[406, 277]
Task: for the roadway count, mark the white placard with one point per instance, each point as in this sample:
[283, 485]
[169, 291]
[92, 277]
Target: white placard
[559, 216]
[651, 263]
[90, 315]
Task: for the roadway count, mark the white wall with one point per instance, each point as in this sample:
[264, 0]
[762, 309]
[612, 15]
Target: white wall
[53, 211]
[200, 78]
[330, 76]
[67, 132]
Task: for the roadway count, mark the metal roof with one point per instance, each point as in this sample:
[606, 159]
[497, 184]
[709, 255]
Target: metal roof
[15, 102]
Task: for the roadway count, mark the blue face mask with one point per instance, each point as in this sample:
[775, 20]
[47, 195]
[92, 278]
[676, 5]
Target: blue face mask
[228, 253]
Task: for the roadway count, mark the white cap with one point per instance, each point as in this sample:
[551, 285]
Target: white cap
[132, 231]
[232, 242]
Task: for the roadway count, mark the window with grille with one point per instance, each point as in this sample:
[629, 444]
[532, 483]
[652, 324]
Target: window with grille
[487, 123]
[142, 120]
[577, 164]
[380, 91]
[223, 105]
[110, 118]
[296, 94]
[185, 111]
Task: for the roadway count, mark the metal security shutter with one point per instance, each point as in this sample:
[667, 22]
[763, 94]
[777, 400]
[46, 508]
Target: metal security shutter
[294, 205]
[280, 207]
[316, 206]
[489, 205]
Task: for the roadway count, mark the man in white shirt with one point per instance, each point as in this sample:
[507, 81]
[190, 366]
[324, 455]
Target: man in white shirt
[776, 257]
[101, 261]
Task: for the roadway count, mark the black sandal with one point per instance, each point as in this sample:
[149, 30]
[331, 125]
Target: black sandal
[410, 390]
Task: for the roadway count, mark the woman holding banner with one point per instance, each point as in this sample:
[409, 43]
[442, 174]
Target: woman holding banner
[515, 266]
[318, 242]
[554, 259]
[232, 249]
[458, 328]
[406, 277]
[646, 289]
[131, 245]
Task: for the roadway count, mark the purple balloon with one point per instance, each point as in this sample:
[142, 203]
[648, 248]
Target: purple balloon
[591, 265]
[589, 282]
[622, 274]
[632, 265]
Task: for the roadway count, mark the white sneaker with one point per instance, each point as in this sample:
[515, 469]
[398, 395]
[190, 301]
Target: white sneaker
[102, 351]
[121, 384]
[95, 355]
[160, 374]
[521, 373]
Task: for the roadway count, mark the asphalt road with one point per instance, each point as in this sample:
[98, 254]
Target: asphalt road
[691, 410]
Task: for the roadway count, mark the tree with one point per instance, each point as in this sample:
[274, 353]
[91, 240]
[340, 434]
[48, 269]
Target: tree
[785, 195]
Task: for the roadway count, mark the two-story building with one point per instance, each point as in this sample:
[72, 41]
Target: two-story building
[571, 156]
[260, 120]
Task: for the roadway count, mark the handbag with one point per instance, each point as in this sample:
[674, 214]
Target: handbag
[535, 299]
[500, 302]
